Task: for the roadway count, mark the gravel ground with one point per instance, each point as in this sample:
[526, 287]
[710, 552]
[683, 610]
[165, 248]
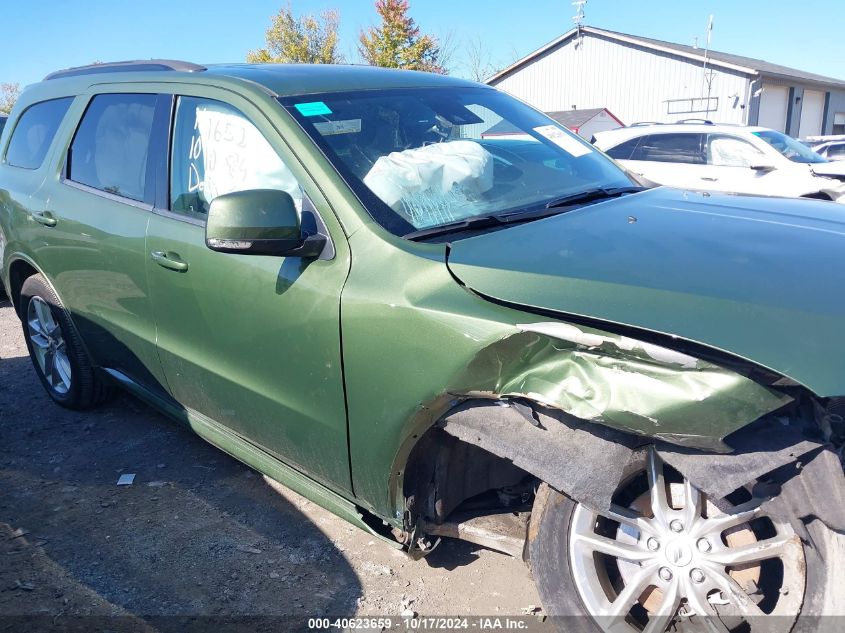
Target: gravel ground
[197, 534]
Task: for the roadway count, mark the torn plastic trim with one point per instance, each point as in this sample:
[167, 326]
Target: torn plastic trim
[620, 382]
[587, 462]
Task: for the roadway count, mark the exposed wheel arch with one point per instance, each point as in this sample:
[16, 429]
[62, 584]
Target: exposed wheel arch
[819, 195]
[19, 271]
[443, 472]
[487, 456]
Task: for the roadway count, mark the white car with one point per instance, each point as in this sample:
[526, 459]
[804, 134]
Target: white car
[731, 158]
[831, 150]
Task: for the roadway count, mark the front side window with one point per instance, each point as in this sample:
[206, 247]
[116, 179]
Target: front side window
[729, 151]
[679, 147]
[788, 147]
[425, 157]
[34, 132]
[217, 150]
[109, 150]
[836, 150]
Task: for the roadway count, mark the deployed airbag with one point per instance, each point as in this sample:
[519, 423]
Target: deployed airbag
[433, 184]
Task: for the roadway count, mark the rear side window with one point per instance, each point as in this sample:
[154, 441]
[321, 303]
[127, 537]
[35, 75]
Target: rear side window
[672, 148]
[109, 150]
[34, 133]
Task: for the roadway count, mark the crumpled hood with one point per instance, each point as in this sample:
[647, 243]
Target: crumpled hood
[834, 168]
[760, 278]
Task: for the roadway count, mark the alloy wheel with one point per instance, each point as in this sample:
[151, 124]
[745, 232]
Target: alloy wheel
[48, 345]
[669, 555]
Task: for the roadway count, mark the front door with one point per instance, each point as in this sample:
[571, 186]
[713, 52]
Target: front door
[732, 161]
[251, 342]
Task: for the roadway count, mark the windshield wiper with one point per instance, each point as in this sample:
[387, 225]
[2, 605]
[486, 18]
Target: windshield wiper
[593, 195]
[554, 207]
[476, 222]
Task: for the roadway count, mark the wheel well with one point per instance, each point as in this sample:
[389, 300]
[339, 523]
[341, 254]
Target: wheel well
[819, 195]
[446, 476]
[19, 271]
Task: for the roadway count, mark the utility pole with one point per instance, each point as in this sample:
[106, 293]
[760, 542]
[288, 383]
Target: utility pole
[579, 20]
[708, 76]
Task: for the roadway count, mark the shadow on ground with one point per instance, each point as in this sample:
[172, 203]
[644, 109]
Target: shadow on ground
[196, 533]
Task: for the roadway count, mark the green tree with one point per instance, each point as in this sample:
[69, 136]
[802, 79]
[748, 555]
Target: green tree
[9, 93]
[397, 42]
[306, 39]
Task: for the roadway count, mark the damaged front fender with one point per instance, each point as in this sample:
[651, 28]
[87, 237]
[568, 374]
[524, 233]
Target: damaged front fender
[619, 382]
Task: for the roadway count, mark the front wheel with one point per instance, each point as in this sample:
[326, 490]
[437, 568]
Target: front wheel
[664, 556]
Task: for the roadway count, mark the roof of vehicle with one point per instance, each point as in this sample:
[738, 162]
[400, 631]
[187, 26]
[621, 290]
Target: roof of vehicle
[624, 133]
[829, 138]
[280, 79]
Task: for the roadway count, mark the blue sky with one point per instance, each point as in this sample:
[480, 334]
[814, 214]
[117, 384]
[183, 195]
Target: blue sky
[44, 35]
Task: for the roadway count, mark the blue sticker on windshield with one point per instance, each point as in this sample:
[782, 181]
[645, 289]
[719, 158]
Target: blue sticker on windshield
[313, 108]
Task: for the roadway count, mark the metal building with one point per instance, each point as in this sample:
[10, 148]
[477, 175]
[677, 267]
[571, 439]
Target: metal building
[641, 79]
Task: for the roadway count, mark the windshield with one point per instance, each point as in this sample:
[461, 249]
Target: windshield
[426, 157]
[794, 150]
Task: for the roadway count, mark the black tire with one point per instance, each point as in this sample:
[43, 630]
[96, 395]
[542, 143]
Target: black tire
[86, 390]
[548, 553]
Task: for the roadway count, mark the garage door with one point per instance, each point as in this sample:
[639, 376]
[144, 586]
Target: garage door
[773, 105]
[812, 114]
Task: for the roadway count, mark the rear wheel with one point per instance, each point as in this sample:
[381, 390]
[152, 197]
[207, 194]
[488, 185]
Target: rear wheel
[665, 555]
[54, 347]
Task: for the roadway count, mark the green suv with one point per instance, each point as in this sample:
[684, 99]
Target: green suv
[432, 310]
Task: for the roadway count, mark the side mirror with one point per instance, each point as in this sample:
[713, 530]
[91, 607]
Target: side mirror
[259, 222]
[762, 167]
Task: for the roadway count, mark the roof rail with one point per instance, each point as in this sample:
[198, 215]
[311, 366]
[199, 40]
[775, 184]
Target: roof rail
[641, 123]
[702, 121]
[138, 65]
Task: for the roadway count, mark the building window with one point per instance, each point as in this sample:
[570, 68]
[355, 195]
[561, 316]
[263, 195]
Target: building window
[839, 123]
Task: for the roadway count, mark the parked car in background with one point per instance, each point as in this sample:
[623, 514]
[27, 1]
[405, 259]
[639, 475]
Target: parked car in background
[730, 158]
[331, 274]
[833, 149]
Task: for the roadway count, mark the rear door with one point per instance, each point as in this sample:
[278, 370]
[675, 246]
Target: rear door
[250, 342]
[674, 159]
[98, 207]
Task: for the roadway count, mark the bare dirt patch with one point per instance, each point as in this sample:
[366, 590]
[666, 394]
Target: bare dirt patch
[196, 533]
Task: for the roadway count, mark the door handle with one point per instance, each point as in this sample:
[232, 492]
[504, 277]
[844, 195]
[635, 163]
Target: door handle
[45, 218]
[171, 262]
[709, 178]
